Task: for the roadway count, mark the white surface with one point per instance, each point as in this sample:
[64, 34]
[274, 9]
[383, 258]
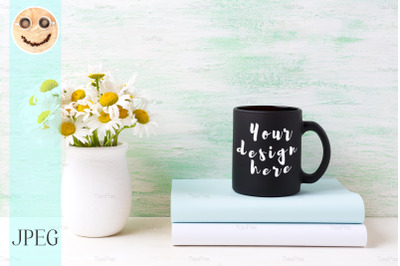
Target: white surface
[269, 234]
[147, 241]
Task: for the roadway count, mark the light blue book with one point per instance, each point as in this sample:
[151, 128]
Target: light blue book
[213, 200]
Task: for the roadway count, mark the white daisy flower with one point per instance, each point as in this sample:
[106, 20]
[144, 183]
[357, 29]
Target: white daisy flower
[74, 101]
[66, 94]
[44, 116]
[126, 117]
[98, 71]
[144, 124]
[68, 111]
[84, 108]
[112, 96]
[102, 122]
[47, 106]
[92, 115]
[71, 129]
[108, 85]
[139, 98]
[41, 113]
[70, 94]
[50, 133]
[53, 124]
[131, 80]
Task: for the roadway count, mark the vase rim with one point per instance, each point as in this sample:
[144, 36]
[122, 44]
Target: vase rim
[120, 145]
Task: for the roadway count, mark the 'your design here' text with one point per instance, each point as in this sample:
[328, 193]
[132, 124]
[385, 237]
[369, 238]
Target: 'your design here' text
[271, 153]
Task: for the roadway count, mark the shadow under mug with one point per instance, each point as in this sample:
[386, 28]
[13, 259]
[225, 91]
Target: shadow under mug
[266, 158]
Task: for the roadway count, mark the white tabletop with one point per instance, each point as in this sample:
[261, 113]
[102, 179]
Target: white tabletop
[147, 241]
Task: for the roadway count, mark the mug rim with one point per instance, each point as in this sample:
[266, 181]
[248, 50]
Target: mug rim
[266, 108]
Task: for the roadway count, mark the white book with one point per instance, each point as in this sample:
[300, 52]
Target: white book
[269, 234]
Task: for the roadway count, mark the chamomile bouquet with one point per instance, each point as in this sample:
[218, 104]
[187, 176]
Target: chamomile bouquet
[95, 114]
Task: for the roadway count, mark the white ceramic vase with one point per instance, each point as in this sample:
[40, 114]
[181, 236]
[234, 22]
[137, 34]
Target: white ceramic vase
[96, 190]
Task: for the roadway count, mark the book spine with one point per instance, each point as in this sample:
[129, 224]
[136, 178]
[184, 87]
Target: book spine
[269, 234]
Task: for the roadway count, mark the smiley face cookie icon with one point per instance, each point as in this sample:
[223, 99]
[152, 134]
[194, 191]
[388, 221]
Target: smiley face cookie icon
[35, 30]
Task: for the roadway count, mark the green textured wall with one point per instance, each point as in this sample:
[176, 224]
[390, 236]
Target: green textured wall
[337, 60]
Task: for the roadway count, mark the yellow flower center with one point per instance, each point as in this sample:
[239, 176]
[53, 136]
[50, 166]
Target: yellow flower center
[78, 95]
[108, 98]
[81, 108]
[142, 116]
[32, 100]
[67, 128]
[43, 116]
[96, 76]
[123, 113]
[104, 117]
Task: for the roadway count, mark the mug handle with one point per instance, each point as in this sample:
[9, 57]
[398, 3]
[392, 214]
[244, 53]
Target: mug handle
[326, 156]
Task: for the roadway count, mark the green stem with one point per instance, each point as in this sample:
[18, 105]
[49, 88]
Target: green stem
[97, 85]
[105, 141]
[87, 144]
[109, 139]
[91, 138]
[77, 142]
[115, 142]
[96, 141]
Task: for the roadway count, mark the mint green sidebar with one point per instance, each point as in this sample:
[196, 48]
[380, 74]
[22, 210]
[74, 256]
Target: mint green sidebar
[35, 153]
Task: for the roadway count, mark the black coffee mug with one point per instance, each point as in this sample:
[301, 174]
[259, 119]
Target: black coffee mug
[267, 150]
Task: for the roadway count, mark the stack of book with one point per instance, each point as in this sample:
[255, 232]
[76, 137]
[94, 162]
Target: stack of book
[209, 212]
